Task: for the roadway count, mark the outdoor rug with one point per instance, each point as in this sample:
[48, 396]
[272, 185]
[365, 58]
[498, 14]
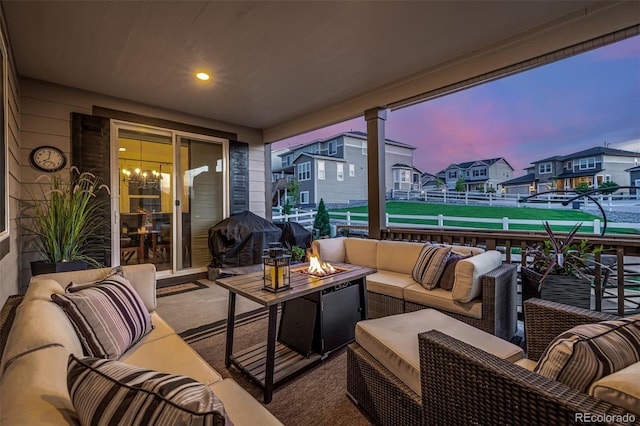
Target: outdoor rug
[315, 397]
[179, 288]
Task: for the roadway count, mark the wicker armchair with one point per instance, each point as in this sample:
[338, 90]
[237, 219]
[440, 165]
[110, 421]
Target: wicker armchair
[464, 385]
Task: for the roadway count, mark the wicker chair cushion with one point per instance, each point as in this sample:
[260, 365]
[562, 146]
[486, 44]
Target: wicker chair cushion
[397, 256]
[330, 249]
[361, 252]
[442, 300]
[469, 274]
[389, 283]
[106, 391]
[393, 341]
[586, 353]
[430, 265]
[620, 388]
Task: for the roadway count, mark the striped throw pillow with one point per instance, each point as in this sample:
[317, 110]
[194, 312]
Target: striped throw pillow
[587, 353]
[111, 392]
[108, 317]
[430, 265]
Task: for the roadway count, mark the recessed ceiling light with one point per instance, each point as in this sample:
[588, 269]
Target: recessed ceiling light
[122, 149]
[203, 76]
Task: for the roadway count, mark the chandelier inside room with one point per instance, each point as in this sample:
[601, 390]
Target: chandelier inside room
[141, 178]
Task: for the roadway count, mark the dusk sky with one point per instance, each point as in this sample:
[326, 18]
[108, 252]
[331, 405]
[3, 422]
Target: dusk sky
[578, 103]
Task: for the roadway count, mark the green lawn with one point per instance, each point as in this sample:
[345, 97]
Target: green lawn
[425, 209]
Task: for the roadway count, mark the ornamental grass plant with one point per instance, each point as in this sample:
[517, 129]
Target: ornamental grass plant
[67, 221]
[562, 255]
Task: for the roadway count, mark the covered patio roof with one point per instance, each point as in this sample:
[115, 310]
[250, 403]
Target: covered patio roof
[291, 67]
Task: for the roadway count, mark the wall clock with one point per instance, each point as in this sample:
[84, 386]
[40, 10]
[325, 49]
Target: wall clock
[47, 159]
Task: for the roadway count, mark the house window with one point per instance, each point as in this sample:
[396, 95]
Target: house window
[453, 175]
[607, 178]
[352, 170]
[402, 176]
[587, 163]
[286, 160]
[568, 165]
[304, 171]
[304, 197]
[364, 147]
[320, 169]
[544, 168]
[340, 173]
[333, 148]
[479, 172]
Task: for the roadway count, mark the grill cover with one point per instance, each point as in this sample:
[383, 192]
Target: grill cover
[294, 234]
[240, 239]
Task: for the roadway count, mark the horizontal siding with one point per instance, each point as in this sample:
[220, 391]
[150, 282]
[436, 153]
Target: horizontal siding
[10, 272]
[46, 121]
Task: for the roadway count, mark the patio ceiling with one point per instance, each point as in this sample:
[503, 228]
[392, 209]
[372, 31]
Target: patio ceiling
[288, 67]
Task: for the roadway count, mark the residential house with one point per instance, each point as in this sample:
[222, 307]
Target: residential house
[634, 180]
[335, 169]
[99, 73]
[431, 182]
[480, 175]
[593, 167]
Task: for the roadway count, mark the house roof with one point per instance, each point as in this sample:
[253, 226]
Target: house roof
[528, 178]
[590, 172]
[356, 134]
[488, 162]
[320, 157]
[598, 150]
[633, 169]
[303, 65]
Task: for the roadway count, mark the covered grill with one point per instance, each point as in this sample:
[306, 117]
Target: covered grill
[294, 234]
[238, 241]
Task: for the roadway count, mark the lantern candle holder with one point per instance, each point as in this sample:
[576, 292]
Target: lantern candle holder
[277, 268]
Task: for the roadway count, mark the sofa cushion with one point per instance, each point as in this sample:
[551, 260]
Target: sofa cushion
[442, 300]
[469, 272]
[33, 389]
[586, 353]
[397, 256]
[361, 252]
[430, 265]
[39, 324]
[393, 341]
[620, 388]
[110, 392]
[449, 274]
[330, 249]
[241, 407]
[526, 363]
[170, 355]
[108, 317]
[464, 250]
[389, 283]
[142, 278]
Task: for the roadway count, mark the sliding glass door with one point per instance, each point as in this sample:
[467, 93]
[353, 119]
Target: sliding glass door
[171, 188]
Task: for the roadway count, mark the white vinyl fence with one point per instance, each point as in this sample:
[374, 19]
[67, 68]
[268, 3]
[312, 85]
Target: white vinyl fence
[305, 218]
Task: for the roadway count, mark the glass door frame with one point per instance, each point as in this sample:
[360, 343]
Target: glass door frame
[176, 136]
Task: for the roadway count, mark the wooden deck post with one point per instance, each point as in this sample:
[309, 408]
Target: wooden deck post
[375, 118]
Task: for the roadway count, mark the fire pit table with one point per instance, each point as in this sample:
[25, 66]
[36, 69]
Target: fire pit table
[271, 363]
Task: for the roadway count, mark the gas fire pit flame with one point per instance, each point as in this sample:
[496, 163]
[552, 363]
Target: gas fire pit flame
[319, 268]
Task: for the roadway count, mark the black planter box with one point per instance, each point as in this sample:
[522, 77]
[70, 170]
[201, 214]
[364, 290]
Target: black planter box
[572, 291]
[40, 267]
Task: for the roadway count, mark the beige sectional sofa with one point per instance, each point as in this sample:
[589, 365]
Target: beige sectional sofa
[33, 371]
[483, 294]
